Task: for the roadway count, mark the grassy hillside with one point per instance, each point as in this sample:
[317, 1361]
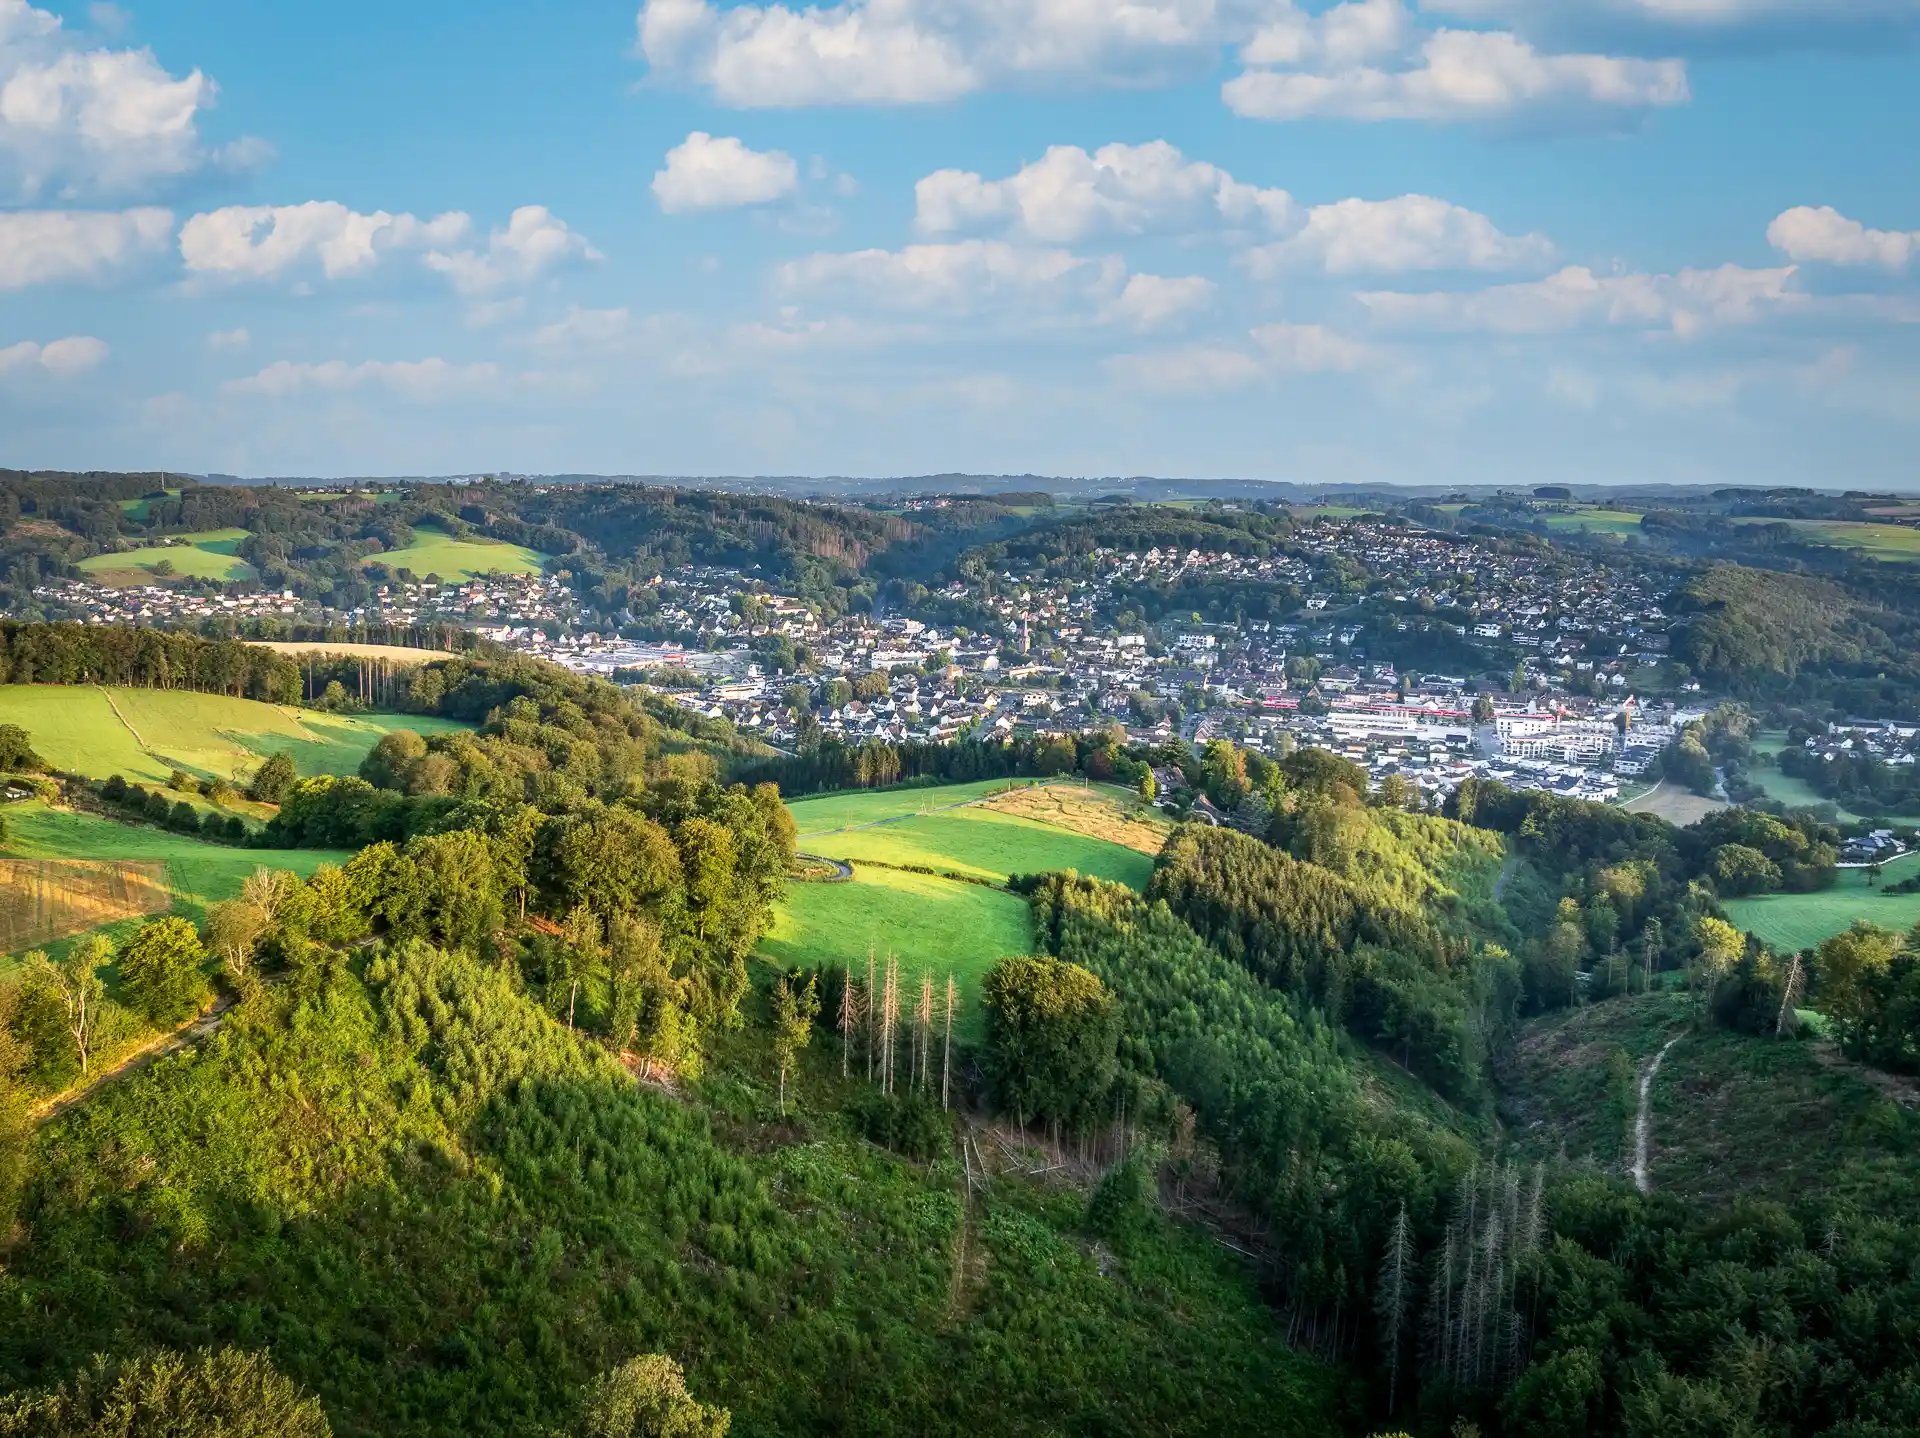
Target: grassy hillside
[208, 554]
[949, 828]
[983, 844]
[460, 559]
[1731, 1114]
[936, 926]
[871, 806]
[197, 874]
[1791, 922]
[427, 1202]
[144, 734]
[1894, 543]
[1595, 520]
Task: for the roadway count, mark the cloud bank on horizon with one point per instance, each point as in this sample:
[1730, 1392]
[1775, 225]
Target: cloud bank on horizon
[1447, 241]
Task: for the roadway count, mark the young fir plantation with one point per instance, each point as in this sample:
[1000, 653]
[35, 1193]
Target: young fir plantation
[534, 1074]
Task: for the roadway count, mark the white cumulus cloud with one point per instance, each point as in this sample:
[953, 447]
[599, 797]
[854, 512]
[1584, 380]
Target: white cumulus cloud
[1069, 195]
[963, 276]
[535, 243]
[260, 242]
[1576, 297]
[82, 119]
[62, 358]
[1151, 302]
[1462, 75]
[1829, 237]
[708, 172]
[1413, 232]
[39, 247]
[903, 52]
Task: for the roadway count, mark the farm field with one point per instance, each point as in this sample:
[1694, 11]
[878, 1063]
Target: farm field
[1674, 804]
[1329, 511]
[460, 559]
[1895, 543]
[1721, 1106]
[1100, 811]
[941, 925]
[983, 844]
[196, 874]
[43, 900]
[1790, 922]
[208, 554]
[1597, 521]
[873, 806]
[936, 926]
[144, 734]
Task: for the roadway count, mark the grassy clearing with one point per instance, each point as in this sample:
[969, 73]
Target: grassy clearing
[1791, 922]
[1676, 805]
[1726, 1108]
[144, 734]
[461, 559]
[936, 926]
[1895, 543]
[208, 554]
[42, 900]
[141, 509]
[872, 806]
[197, 874]
[1619, 522]
[949, 828]
[1100, 811]
[982, 844]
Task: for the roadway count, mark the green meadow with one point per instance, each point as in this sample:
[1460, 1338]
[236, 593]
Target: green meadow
[145, 734]
[460, 559]
[937, 925]
[198, 874]
[1790, 922]
[208, 554]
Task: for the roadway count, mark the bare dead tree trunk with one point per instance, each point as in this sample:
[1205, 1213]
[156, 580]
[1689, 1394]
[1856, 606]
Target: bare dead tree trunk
[1789, 998]
[946, 1051]
[923, 1036]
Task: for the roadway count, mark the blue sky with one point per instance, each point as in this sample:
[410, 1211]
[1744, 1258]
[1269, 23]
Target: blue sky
[1492, 241]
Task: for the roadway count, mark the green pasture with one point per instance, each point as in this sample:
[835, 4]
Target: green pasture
[460, 559]
[936, 926]
[141, 509]
[208, 554]
[871, 806]
[198, 874]
[145, 734]
[984, 845]
[1896, 543]
[1790, 922]
[1618, 522]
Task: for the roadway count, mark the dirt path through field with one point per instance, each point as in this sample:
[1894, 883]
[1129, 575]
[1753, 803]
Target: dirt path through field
[191, 1032]
[1643, 1121]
